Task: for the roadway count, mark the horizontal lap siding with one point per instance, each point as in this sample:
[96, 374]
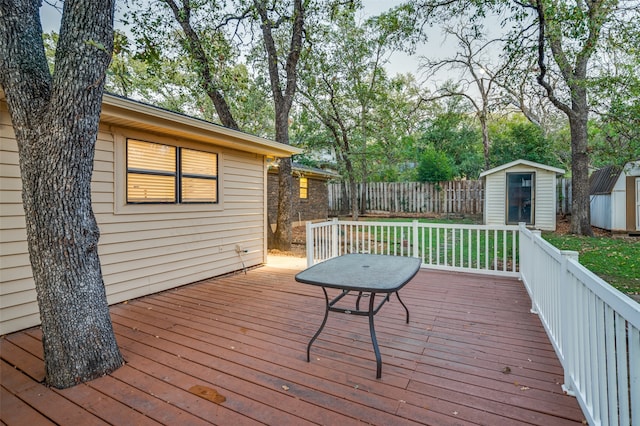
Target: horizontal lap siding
[153, 251]
[545, 203]
[18, 306]
[545, 197]
[140, 253]
[495, 196]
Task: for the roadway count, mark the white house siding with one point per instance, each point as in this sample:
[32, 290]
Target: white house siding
[601, 211]
[619, 197]
[17, 294]
[495, 196]
[609, 207]
[143, 249]
[545, 202]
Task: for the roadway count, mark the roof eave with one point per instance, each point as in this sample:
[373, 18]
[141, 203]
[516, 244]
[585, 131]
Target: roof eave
[127, 113]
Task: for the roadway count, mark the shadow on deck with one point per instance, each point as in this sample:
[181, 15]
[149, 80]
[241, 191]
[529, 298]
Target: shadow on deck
[472, 354]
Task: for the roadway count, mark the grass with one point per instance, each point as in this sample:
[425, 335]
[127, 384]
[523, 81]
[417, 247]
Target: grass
[473, 248]
[615, 260]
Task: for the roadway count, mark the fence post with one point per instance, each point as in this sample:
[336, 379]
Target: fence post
[567, 321]
[310, 240]
[334, 237]
[535, 292]
[416, 246]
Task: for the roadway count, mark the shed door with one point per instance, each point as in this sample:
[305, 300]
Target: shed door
[520, 198]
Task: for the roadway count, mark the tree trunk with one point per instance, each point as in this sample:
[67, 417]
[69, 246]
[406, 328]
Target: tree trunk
[283, 99]
[363, 197]
[193, 45]
[354, 198]
[574, 75]
[284, 234]
[344, 206]
[580, 203]
[56, 125]
[485, 139]
[353, 187]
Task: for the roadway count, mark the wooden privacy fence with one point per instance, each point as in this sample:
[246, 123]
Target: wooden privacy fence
[457, 197]
[454, 197]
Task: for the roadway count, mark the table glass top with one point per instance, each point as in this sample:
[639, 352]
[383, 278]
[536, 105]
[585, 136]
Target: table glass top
[362, 272]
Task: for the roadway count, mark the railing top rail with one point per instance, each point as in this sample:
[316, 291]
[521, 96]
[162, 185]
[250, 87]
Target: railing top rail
[551, 250]
[621, 303]
[420, 224]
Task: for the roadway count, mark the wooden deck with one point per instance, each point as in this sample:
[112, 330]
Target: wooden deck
[472, 354]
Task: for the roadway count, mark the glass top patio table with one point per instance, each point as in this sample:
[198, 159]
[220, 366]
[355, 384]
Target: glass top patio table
[366, 274]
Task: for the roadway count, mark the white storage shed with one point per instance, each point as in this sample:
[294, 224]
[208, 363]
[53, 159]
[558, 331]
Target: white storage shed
[521, 191]
[615, 198]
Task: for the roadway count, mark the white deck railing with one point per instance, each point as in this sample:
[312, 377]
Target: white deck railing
[594, 328]
[468, 248]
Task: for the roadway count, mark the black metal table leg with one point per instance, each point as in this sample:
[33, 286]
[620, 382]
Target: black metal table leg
[376, 274]
[372, 330]
[358, 301]
[324, 321]
[403, 305]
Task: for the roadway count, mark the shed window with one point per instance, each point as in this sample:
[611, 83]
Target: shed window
[304, 188]
[158, 173]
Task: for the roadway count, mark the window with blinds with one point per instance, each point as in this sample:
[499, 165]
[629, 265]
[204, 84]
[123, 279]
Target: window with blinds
[158, 173]
[199, 176]
[304, 188]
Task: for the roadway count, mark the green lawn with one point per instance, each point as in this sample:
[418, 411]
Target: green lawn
[615, 260]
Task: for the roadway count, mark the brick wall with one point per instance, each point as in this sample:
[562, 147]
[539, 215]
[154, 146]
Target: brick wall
[315, 207]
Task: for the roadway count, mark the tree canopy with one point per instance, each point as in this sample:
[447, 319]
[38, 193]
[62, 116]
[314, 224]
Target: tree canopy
[535, 58]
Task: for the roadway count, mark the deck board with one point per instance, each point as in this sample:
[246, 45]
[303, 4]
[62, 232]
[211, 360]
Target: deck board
[471, 354]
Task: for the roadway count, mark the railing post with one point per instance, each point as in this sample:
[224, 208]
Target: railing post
[334, 237]
[309, 242]
[535, 290]
[416, 245]
[567, 322]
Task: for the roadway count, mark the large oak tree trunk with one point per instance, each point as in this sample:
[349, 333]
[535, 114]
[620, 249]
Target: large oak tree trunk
[580, 203]
[283, 93]
[56, 125]
[574, 73]
[283, 235]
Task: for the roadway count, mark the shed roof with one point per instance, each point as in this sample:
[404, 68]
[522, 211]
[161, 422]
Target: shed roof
[603, 180]
[525, 163]
[138, 115]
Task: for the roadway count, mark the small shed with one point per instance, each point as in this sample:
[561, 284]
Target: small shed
[615, 197]
[521, 191]
[310, 196]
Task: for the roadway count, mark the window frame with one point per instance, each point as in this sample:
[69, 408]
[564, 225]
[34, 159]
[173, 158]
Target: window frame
[123, 206]
[182, 175]
[150, 172]
[305, 187]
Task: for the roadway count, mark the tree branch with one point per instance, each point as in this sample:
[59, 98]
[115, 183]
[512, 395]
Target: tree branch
[194, 48]
[539, 7]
